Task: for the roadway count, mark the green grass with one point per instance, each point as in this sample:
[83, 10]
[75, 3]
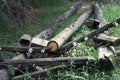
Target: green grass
[41, 16]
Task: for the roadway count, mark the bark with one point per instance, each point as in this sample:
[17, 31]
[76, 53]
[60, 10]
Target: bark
[91, 34]
[55, 43]
[47, 61]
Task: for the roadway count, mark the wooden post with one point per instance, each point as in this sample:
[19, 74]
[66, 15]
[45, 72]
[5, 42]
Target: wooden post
[55, 43]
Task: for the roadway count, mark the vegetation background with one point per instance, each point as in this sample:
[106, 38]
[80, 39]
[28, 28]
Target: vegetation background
[18, 17]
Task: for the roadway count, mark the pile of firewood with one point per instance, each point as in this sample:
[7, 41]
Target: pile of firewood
[56, 46]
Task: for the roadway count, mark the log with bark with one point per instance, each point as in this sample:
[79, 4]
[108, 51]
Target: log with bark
[104, 52]
[91, 34]
[47, 61]
[56, 42]
[51, 28]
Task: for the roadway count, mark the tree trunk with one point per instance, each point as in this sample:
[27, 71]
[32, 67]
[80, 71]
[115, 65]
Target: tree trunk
[64, 35]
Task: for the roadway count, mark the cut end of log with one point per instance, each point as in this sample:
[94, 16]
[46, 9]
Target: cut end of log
[52, 46]
[25, 40]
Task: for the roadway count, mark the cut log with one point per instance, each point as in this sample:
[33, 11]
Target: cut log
[39, 74]
[55, 43]
[22, 49]
[39, 42]
[106, 53]
[114, 41]
[47, 61]
[51, 28]
[91, 34]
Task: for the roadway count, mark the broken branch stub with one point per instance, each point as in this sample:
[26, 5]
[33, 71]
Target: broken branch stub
[56, 42]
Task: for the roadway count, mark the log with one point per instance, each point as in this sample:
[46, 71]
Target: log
[39, 42]
[38, 74]
[52, 27]
[91, 34]
[47, 61]
[60, 19]
[55, 43]
[106, 54]
[113, 41]
[22, 49]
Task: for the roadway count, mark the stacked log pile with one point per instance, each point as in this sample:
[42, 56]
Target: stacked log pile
[40, 44]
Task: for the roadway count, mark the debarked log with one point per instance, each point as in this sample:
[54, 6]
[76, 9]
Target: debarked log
[91, 34]
[56, 42]
[114, 41]
[48, 61]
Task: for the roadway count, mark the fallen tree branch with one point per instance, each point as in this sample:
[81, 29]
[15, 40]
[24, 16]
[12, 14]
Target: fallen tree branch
[38, 74]
[47, 61]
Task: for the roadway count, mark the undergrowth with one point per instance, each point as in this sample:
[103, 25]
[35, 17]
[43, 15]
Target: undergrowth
[41, 16]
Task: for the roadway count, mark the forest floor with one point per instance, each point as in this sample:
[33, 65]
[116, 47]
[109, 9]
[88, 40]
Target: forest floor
[41, 17]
